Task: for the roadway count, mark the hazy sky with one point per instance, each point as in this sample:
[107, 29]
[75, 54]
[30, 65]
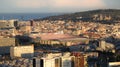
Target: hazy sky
[23, 6]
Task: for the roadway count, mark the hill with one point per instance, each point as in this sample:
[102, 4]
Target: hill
[102, 15]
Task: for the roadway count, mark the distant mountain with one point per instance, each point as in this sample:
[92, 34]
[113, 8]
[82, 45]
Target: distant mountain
[102, 15]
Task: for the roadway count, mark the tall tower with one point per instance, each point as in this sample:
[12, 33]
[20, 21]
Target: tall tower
[31, 23]
[15, 23]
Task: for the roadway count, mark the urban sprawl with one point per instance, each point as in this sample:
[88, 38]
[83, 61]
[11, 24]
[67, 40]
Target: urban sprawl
[59, 43]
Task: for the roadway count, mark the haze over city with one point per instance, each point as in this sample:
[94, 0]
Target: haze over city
[48, 6]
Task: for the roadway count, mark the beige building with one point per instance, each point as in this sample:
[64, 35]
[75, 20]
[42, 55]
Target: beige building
[5, 44]
[25, 29]
[22, 51]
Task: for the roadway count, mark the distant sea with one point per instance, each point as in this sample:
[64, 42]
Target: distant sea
[26, 16]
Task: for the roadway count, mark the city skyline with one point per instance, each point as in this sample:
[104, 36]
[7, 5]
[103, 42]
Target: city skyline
[48, 6]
